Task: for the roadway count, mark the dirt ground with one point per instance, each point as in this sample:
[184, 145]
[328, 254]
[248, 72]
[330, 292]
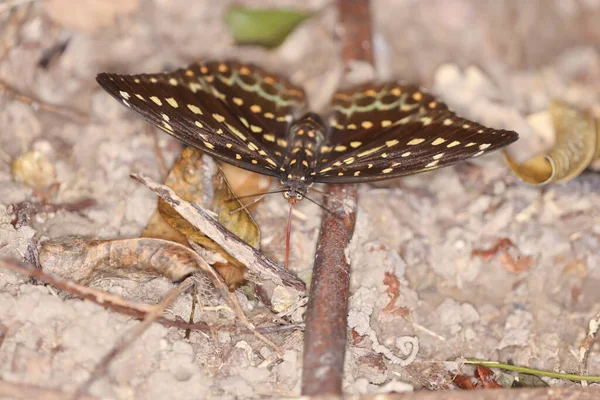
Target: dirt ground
[499, 63]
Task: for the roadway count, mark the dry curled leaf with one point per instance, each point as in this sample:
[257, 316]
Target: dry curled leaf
[577, 145]
[87, 15]
[84, 260]
[188, 180]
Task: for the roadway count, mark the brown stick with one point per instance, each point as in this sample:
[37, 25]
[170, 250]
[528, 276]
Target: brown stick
[327, 313]
[130, 336]
[122, 306]
[36, 104]
[259, 265]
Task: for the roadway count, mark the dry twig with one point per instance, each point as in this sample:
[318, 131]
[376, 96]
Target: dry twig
[37, 104]
[259, 265]
[122, 306]
[130, 336]
[327, 313]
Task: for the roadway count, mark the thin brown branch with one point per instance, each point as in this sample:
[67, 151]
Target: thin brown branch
[587, 343]
[129, 337]
[570, 393]
[234, 303]
[259, 265]
[97, 296]
[37, 104]
[122, 306]
[327, 313]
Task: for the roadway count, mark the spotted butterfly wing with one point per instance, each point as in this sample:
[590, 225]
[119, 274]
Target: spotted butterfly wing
[237, 113]
[388, 130]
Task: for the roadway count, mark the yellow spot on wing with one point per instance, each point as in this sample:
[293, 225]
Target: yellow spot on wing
[484, 146]
[370, 151]
[391, 143]
[172, 102]
[366, 124]
[340, 148]
[255, 129]
[405, 154]
[218, 117]
[455, 143]
[173, 81]
[432, 164]
[255, 108]
[156, 100]
[438, 141]
[268, 137]
[198, 124]
[387, 170]
[354, 145]
[125, 95]
[386, 123]
[415, 141]
[238, 101]
[194, 109]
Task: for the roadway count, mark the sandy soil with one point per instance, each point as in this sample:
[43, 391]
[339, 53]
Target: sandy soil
[497, 62]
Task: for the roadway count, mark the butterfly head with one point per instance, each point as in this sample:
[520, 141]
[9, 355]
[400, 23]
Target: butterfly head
[293, 196]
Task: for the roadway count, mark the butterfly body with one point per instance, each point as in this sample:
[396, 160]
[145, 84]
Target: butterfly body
[245, 116]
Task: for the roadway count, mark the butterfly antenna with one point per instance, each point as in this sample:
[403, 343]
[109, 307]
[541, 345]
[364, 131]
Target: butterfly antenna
[326, 194]
[278, 190]
[245, 206]
[288, 234]
[320, 205]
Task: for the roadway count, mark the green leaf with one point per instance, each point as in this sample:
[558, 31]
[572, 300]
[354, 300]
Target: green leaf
[267, 28]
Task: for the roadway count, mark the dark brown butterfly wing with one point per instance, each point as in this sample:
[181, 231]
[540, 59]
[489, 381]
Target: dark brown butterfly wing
[237, 113]
[391, 129]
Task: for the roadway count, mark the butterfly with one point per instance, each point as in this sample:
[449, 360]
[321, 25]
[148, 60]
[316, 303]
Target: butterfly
[245, 116]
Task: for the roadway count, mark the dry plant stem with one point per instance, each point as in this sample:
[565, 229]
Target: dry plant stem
[36, 104]
[9, 390]
[96, 296]
[571, 393]
[122, 306]
[130, 336]
[260, 266]
[587, 343]
[531, 371]
[232, 299]
[327, 313]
